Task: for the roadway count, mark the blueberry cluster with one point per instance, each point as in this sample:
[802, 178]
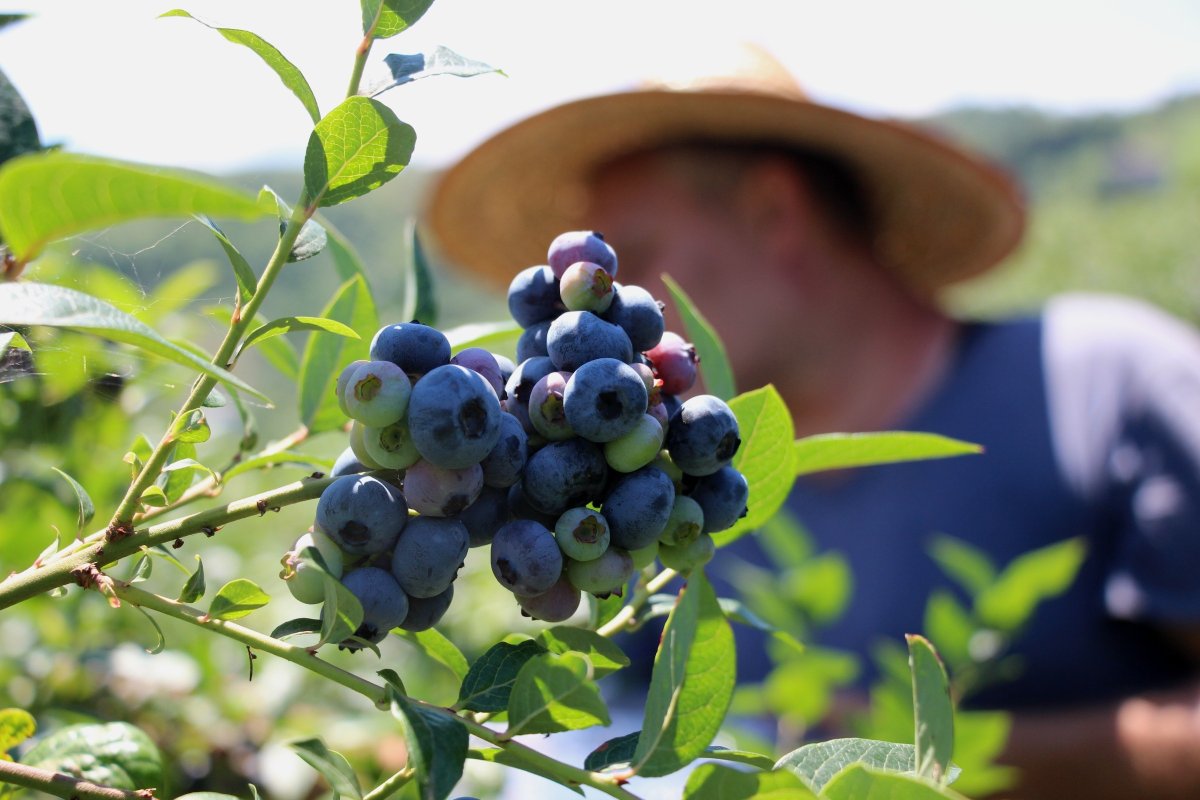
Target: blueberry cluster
[577, 465]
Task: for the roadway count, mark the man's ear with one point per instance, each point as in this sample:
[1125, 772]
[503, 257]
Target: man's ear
[776, 206]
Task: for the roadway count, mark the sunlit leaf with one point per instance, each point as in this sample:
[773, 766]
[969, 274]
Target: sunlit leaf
[555, 692]
[844, 450]
[765, 458]
[355, 148]
[932, 709]
[488, 684]
[383, 19]
[437, 746]
[332, 765]
[85, 508]
[236, 599]
[406, 68]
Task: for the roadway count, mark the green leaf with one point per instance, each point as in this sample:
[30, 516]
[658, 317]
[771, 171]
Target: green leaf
[392, 678]
[275, 459]
[242, 271]
[191, 427]
[325, 356]
[181, 473]
[278, 351]
[295, 627]
[206, 796]
[860, 782]
[516, 759]
[194, 588]
[178, 289]
[332, 765]
[345, 258]
[844, 450]
[604, 656]
[420, 302]
[1030, 579]
[12, 340]
[714, 363]
[494, 336]
[716, 782]
[765, 457]
[737, 611]
[312, 237]
[291, 76]
[278, 327]
[51, 195]
[114, 754]
[437, 746]
[383, 19]
[750, 759]
[819, 762]
[435, 645]
[406, 68]
[85, 508]
[488, 684]
[236, 599]
[614, 753]
[949, 626]
[355, 148]
[963, 562]
[28, 303]
[18, 130]
[341, 612]
[554, 693]
[16, 725]
[932, 709]
[154, 496]
[691, 685]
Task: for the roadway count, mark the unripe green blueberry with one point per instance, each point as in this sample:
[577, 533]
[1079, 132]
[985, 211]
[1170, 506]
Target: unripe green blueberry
[685, 523]
[602, 576]
[377, 393]
[684, 557]
[644, 556]
[637, 448]
[343, 382]
[390, 446]
[586, 286]
[582, 534]
[358, 446]
[304, 577]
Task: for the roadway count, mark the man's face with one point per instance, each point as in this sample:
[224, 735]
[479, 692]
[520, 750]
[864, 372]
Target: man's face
[659, 225]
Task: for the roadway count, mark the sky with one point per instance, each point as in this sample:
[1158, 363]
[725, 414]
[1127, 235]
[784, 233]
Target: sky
[112, 79]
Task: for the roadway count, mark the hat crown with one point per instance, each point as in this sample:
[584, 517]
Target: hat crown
[744, 68]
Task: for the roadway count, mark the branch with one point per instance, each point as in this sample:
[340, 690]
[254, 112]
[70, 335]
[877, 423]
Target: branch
[65, 786]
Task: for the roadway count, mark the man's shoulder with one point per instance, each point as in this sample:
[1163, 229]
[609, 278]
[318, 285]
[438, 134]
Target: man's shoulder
[1108, 327]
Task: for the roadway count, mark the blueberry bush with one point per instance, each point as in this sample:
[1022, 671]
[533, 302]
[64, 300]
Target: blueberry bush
[569, 448]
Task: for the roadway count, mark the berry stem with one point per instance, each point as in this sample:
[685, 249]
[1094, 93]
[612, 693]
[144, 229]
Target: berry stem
[391, 785]
[641, 593]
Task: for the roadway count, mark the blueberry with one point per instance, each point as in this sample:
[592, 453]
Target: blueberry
[685, 523]
[637, 313]
[533, 296]
[545, 408]
[520, 384]
[348, 463]
[602, 576]
[638, 507]
[361, 514]
[358, 446]
[304, 578]
[532, 341]
[520, 507]
[425, 612]
[438, 492]
[384, 604]
[391, 447]
[412, 346]
[507, 368]
[525, 558]
[702, 435]
[644, 556]
[343, 381]
[429, 554]
[564, 474]
[722, 496]
[586, 286]
[572, 246]
[557, 604]
[483, 362]
[604, 400]
[486, 515]
[674, 361]
[637, 448]
[577, 337]
[688, 556]
[581, 533]
[503, 464]
[377, 393]
[453, 417]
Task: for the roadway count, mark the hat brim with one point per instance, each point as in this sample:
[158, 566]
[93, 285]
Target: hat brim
[940, 216]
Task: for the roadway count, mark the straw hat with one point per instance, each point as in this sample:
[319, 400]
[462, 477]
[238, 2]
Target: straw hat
[940, 214]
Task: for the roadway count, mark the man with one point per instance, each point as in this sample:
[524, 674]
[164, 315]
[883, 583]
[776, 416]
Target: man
[816, 242]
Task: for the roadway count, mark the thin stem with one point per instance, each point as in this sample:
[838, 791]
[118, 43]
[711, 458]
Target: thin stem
[152, 468]
[253, 639]
[391, 785]
[360, 59]
[65, 786]
[626, 616]
[37, 579]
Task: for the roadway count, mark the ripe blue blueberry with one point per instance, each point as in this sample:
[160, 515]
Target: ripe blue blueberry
[532, 341]
[486, 515]
[425, 612]
[564, 474]
[702, 435]
[348, 464]
[361, 514]
[557, 604]
[453, 417]
[429, 554]
[722, 496]
[604, 400]
[438, 492]
[520, 507]
[638, 507]
[412, 346]
[572, 246]
[384, 604]
[483, 362]
[637, 313]
[525, 558]
[577, 337]
[503, 464]
[533, 296]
